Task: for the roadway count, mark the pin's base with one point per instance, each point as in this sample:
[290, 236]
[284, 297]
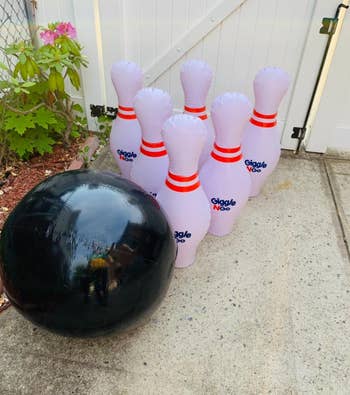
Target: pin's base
[183, 261]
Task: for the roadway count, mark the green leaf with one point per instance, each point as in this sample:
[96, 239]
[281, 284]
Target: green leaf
[30, 69]
[52, 81]
[59, 68]
[77, 107]
[17, 70]
[34, 140]
[18, 122]
[28, 84]
[14, 81]
[20, 145]
[23, 71]
[60, 82]
[44, 117]
[42, 141]
[60, 126]
[74, 78]
[22, 58]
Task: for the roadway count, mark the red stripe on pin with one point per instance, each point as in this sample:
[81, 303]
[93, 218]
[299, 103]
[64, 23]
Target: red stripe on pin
[227, 150]
[204, 117]
[152, 145]
[177, 188]
[124, 116]
[191, 109]
[175, 177]
[224, 159]
[126, 108]
[264, 116]
[263, 124]
[153, 154]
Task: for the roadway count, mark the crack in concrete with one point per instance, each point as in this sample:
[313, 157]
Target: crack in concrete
[337, 205]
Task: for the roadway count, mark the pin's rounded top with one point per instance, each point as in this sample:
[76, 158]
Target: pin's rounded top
[231, 100]
[153, 107]
[196, 77]
[272, 75]
[184, 137]
[195, 65]
[230, 113]
[126, 66]
[184, 122]
[153, 99]
[127, 78]
[270, 85]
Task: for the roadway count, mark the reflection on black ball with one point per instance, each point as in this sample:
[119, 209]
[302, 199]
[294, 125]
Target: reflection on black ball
[85, 253]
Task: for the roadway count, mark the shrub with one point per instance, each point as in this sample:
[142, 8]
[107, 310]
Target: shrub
[35, 109]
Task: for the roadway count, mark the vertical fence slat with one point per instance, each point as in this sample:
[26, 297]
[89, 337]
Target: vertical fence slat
[112, 39]
[89, 34]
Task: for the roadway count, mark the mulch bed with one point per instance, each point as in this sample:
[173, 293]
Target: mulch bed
[19, 179]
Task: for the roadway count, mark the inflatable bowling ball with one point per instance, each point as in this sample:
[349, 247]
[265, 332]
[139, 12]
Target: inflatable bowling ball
[85, 253]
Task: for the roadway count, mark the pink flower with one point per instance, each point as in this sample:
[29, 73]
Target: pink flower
[66, 29]
[48, 36]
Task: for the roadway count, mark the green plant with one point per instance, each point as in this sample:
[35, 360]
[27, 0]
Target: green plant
[35, 109]
[84, 154]
[105, 127]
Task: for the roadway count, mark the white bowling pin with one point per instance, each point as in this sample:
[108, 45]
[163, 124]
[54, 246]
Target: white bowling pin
[153, 107]
[196, 77]
[224, 176]
[182, 196]
[125, 136]
[261, 141]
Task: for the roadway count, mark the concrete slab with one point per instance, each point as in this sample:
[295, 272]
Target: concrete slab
[263, 310]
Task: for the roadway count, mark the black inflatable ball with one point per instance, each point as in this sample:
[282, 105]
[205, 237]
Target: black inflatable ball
[85, 253]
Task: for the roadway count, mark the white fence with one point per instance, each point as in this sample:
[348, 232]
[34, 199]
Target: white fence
[236, 37]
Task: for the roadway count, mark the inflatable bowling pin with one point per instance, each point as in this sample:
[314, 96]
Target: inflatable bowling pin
[224, 176]
[196, 77]
[153, 107]
[261, 141]
[182, 196]
[125, 138]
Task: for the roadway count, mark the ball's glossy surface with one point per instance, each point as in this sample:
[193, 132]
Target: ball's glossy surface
[85, 253]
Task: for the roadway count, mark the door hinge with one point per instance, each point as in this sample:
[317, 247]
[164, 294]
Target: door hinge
[99, 111]
[329, 26]
[298, 133]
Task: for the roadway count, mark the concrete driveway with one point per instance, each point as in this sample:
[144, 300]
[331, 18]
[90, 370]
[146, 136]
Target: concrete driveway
[265, 310]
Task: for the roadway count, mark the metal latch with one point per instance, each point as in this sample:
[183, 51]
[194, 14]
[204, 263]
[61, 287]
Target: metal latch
[99, 111]
[298, 133]
[329, 26]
